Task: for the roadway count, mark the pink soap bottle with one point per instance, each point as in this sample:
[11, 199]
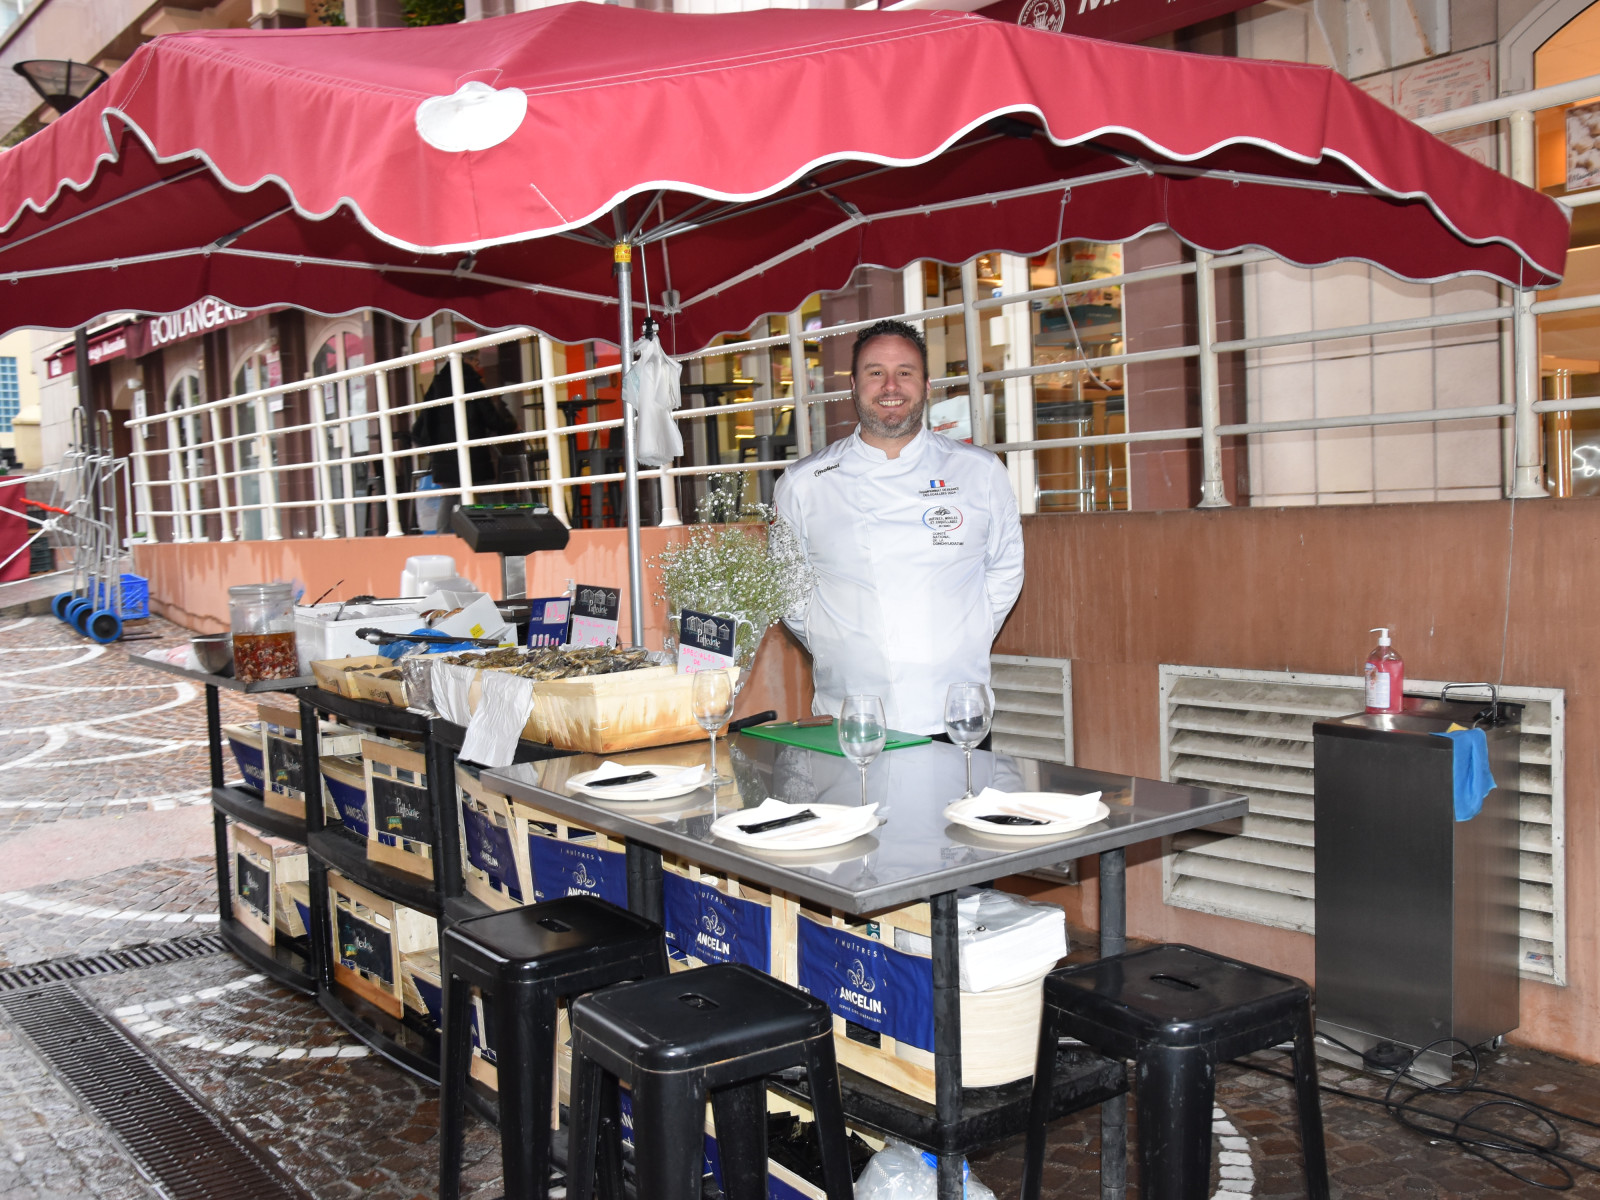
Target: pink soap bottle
[1386, 676]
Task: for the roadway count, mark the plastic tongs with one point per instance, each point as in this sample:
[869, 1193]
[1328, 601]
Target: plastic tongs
[379, 637]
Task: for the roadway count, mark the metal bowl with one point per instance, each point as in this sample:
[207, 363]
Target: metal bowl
[214, 650]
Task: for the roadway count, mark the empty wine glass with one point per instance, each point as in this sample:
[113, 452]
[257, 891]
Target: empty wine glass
[967, 712]
[713, 705]
[862, 733]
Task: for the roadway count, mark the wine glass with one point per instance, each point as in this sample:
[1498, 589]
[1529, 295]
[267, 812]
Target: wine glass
[862, 733]
[967, 712]
[713, 705]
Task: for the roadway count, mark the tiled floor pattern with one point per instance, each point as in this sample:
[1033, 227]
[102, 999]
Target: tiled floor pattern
[345, 1123]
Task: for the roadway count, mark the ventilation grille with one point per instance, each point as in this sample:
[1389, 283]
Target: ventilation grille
[173, 1137]
[151, 954]
[1032, 706]
[1251, 732]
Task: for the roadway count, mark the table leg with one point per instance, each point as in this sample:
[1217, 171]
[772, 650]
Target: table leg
[644, 881]
[947, 1034]
[214, 733]
[1113, 940]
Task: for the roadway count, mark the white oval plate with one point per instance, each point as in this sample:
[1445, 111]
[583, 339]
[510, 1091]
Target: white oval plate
[647, 789]
[836, 825]
[1075, 812]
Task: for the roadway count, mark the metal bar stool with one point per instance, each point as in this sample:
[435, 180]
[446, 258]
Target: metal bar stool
[525, 960]
[1177, 1012]
[673, 1040]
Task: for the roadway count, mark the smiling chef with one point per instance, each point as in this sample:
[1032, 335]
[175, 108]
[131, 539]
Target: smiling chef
[915, 541]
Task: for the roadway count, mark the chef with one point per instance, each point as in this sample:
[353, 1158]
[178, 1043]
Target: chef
[915, 541]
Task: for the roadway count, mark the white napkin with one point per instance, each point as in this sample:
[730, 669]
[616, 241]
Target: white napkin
[492, 733]
[1070, 807]
[665, 781]
[845, 823]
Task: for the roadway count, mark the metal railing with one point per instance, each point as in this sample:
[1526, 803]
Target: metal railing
[212, 458]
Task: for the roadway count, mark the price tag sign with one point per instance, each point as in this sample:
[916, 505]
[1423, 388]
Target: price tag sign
[705, 641]
[594, 615]
[547, 621]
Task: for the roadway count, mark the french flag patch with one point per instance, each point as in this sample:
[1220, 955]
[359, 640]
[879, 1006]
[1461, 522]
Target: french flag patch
[936, 483]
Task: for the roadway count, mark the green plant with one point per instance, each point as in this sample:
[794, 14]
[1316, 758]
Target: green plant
[329, 12]
[433, 12]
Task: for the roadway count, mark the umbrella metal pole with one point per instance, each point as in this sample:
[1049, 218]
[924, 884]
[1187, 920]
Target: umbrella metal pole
[623, 256]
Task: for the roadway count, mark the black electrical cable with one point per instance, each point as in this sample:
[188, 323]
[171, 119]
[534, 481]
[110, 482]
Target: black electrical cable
[1448, 1126]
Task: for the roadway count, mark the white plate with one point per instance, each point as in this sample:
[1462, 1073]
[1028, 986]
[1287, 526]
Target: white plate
[1063, 813]
[671, 780]
[835, 825]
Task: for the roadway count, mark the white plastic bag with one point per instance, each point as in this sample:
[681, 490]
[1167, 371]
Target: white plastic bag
[902, 1172]
[1005, 940]
[652, 387]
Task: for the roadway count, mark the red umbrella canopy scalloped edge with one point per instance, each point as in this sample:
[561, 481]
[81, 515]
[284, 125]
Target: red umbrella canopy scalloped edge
[750, 159]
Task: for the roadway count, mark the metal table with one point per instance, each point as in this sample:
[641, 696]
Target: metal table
[916, 855]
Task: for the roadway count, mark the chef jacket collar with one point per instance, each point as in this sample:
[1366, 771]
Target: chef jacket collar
[911, 450]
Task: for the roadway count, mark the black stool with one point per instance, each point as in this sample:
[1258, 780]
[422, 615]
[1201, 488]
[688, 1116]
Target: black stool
[526, 960]
[719, 1030]
[1177, 1012]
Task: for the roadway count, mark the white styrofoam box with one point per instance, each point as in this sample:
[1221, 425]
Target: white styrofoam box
[329, 630]
[420, 568]
[478, 618]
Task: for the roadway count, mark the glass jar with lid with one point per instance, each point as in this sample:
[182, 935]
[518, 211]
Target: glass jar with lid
[261, 616]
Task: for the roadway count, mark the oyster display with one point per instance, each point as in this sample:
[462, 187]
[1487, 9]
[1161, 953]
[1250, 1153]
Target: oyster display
[556, 662]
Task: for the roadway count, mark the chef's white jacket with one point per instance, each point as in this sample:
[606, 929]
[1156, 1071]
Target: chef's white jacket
[918, 560]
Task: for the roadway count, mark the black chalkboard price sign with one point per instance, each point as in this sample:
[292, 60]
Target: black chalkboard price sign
[285, 767]
[365, 948]
[401, 810]
[253, 886]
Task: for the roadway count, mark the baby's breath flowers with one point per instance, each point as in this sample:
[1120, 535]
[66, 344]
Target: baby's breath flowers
[754, 569]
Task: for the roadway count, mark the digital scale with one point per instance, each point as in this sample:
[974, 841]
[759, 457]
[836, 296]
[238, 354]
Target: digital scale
[513, 531]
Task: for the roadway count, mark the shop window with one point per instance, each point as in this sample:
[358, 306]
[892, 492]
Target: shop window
[1569, 343]
[258, 368]
[10, 394]
[343, 436]
[188, 446]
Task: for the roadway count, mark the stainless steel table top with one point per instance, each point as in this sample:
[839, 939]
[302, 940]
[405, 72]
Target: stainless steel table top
[226, 682]
[913, 855]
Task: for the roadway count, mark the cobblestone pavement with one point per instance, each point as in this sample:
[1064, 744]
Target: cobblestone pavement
[85, 736]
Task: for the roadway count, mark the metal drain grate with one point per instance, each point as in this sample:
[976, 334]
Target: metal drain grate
[163, 1127]
[150, 954]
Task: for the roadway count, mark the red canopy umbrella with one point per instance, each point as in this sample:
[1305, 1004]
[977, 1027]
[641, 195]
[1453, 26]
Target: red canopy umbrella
[748, 159]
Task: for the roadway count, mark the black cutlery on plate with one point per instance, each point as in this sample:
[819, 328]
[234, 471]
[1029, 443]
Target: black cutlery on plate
[619, 780]
[1010, 819]
[780, 822]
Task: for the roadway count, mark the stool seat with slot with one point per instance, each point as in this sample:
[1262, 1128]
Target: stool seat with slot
[715, 1032]
[524, 961]
[1177, 1011]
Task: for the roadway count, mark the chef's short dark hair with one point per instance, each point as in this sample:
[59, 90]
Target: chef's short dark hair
[889, 328]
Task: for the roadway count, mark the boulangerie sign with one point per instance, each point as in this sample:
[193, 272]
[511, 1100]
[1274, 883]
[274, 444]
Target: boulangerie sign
[595, 611]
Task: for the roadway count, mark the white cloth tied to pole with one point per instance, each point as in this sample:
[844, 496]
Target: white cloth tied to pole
[651, 387]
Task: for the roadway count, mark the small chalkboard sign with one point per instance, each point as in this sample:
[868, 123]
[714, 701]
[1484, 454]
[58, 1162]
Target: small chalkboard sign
[253, 886]
[285, 767]
[705, 641]
[365, 948]
[595, 614]
[401, 810]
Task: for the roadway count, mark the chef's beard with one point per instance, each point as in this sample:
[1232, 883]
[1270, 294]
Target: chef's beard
[874, 424]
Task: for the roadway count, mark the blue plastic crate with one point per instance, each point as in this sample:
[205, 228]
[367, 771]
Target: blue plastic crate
[135, 597]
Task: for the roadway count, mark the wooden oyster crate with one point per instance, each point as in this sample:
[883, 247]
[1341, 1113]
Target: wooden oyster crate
[333, 674]
[369, 684]
[494, 844]
[422, 985]
[283, 762]
[371, 936]
[400, 825]
[246, 743]
[717, 919]
[569, 860]
[344, 782]
[597, 714]
[876, 974]
[263, 869]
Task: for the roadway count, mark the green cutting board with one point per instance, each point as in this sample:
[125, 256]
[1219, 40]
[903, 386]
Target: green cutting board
[825, 738]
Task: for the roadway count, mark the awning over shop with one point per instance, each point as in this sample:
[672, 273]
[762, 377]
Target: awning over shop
[1112, 20]
[748, 159]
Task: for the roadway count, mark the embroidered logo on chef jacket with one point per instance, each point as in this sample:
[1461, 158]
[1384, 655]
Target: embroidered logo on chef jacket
[826, 469]
[938, 487]
[944, 520]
